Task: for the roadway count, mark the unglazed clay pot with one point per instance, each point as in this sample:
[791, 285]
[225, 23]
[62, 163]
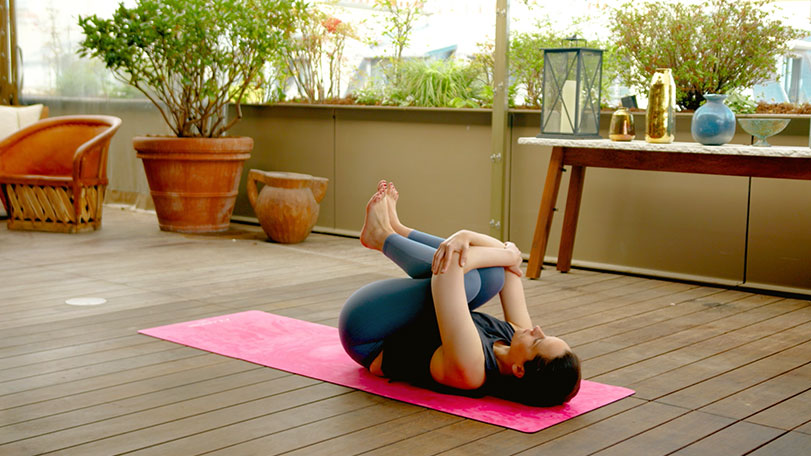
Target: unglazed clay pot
[287, 207]
[193, 181]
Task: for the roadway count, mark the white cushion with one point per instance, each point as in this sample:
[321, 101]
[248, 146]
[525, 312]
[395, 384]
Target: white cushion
[28, 114]
[9, 122]
[13, 118]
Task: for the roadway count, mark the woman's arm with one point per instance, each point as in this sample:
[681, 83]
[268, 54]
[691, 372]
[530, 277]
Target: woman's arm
[461, 242]
[459, 361]
[513, 302]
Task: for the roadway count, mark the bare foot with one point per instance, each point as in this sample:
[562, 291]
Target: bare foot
[392, 195]
[376, 226]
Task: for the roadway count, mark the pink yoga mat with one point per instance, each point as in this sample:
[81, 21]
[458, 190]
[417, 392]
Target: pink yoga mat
[315, 351]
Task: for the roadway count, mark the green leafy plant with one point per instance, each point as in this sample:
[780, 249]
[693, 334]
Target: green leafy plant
[724, 45]
[439, 83]
[191, 57]
[741, 104]
[526, 58]
[399, 22]
[315, 56]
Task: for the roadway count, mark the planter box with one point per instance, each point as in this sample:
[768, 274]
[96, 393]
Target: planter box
[720, 229]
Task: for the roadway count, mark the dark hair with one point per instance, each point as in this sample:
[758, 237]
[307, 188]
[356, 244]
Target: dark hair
[545, 383]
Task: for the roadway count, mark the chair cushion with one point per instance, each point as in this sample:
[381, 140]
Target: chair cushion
[13, 118]
[28, 114]
[9, 123]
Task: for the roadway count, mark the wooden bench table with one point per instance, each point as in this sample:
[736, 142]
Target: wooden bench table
[728, 160]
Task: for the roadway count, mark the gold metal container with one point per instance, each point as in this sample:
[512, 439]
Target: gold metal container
[622, 126]
[660, 121]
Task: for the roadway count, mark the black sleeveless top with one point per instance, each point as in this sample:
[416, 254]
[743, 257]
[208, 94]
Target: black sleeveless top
[407, 353]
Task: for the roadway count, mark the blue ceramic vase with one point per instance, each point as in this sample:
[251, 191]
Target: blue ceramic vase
[713, 123]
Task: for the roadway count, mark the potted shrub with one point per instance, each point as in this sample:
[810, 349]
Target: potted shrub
[714, 49]
[192, 58]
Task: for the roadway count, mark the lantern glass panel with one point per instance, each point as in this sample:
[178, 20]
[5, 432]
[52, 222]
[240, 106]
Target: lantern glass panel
[590, 71]
[571, 93]
[560, 92]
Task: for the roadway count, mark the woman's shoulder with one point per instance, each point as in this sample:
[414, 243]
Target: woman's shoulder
[492, 325]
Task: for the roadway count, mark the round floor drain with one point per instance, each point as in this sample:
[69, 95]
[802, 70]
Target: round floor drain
[85, 301]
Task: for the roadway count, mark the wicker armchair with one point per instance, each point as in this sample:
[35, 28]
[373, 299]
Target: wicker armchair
[53, 173]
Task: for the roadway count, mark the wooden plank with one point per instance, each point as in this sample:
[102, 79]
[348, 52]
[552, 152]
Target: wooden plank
[156, 392]
[709, 359]
[137, 430]
[609, 432]
[770, 395]
[87, 330]
[201, 368]
[739, 438]
[789, 414]
[637, 315]
[740, 378]
[295, 429]
[758, 324]
[439, 439]
[179, 360]
[671, 436]
[65, 366]
[643, 343]
[379, 435]
[685, 162]
[511, 442]
[789, 444]
[655, 335]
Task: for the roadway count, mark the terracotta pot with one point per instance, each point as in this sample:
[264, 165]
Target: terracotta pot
[287, 207]
[193, 181]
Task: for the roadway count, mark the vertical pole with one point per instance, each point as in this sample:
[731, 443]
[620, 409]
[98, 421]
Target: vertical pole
[5, 55]
[8, 54]
[500, 140]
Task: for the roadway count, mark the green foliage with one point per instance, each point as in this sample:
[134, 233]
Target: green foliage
[441, 83]
[190, 57]
[741, 104]
[724, 45]
[526, 60]
[399, 22]
[315, 56]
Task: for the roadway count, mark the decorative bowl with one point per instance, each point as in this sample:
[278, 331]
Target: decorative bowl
[762, 128]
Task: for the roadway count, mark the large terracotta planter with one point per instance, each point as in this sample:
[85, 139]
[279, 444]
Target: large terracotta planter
[193, 181]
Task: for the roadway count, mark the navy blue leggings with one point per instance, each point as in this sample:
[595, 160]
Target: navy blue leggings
[381, 308]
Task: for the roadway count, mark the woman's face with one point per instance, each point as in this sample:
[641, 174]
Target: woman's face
[526, 344]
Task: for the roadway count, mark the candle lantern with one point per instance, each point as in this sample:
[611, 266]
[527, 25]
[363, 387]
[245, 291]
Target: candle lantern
[572, 77]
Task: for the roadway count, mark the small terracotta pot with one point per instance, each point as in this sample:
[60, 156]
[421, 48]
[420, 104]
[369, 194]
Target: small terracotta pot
[287, 207]
[193, 181]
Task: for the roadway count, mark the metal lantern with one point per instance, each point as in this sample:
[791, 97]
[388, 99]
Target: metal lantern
[571, 92]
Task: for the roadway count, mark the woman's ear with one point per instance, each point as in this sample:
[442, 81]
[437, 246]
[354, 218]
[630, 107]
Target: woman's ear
[518, 370]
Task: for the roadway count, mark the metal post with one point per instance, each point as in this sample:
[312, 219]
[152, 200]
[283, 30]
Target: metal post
[500, 140]
[9, 64]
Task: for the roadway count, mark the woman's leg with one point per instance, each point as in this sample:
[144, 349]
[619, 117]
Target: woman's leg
[381, 308]
[378, 310]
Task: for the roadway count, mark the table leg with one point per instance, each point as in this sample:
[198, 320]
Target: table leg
[544, 223]
[570, 218]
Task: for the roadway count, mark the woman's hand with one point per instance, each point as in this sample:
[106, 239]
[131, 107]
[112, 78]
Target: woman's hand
[458, 242]
[515, 268]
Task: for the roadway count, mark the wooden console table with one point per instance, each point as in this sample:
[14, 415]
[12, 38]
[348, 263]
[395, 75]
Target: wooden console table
[728, 160]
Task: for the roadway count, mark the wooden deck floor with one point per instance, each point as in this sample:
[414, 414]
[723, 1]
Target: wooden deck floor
[716, 371]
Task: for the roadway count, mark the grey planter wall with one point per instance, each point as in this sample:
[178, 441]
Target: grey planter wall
[719, 229]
